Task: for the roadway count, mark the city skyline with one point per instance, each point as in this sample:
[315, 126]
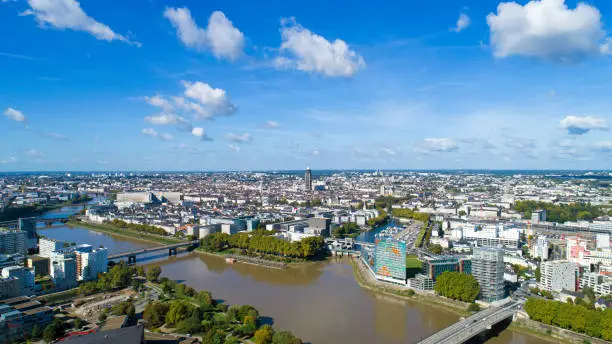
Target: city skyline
[208, 86]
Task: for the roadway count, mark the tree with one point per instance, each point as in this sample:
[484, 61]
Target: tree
[140, 271]
[178, 311]
[36, 332]
[538, 273]
[462, 213]
[435, 248]
[457, 286]
[264, 335]
[153, 273]
[285, 337]
[155, 313]
[53, 331]
[473, 307]
[78, 323]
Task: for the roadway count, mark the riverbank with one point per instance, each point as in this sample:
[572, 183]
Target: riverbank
[12, 213]
[367, 281]
[127, 233]
[263, 262]
[552, 333]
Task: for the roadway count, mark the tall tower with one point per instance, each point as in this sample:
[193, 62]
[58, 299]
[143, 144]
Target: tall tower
[308, 179]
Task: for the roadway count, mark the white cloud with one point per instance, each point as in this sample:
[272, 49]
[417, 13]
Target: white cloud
[272, 125]
[160, 102]
[200, 133]
[68, 14]
[212, 101]
[153, 133]
[316, 152]
[34, 153]
[388, 151]
[604, 146]
[546, 29]
[234, 148]
[15, 115]
[241, 138]
[441, 144]
[221, 37]
[462, 23]
[577, 125]
[313, 53]
[57, 136]
[8, 161]
[168, 118]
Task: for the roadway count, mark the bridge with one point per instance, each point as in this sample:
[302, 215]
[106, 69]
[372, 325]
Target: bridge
[469, 327]
[47, 221]
[172, 249]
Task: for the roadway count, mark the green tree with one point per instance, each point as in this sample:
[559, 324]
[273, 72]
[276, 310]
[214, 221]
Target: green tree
[78, 323]
[538, 273]
[178, 311]
[155, 314]
[285, 337]
[36, 332]
[264, 335]
[435, 248]
[457, 286]
[153, 273]
[140, 271]
[54, 330]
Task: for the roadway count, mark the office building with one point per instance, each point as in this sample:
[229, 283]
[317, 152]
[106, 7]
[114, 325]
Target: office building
[28, 225]
[63, 269]
[538, 216]
[13, 241]
[308, 179]
[488, 269]
[90, 262]
[559, 275]
[603, 241]
[434, 267]
[390, 261]
[25, 276]
[47, 246]
[9, 287]
[39, 264]
[18, 316]
[541, 248]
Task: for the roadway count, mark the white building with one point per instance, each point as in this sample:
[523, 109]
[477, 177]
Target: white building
[541, 248]
[47, 246]
[559, 275]
[603, 241]
[90, 262]
[25, 276]
[63, 269]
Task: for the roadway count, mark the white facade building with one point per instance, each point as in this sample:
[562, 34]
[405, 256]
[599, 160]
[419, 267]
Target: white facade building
[90, 262]
[25, 276]
[47, 246]
[559, 275]
[541, 248]
[63, 269]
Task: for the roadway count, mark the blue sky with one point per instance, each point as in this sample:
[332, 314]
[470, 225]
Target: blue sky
[226, 85]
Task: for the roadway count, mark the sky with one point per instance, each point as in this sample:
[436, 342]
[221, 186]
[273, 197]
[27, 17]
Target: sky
[244, 85]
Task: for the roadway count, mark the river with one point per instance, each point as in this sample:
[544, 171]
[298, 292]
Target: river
[319, 302]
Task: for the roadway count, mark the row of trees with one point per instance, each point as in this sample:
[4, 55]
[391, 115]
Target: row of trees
[411, 214]
[191, 312]
[349, 229]
[264, 243]
[593, 322]
[118, 277]
[378, 220]
[457, 286]
[137, 227]
[559, 212]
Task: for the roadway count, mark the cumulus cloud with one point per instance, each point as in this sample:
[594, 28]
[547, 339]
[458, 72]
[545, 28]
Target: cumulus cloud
[239, 138]
[234, 148]
[440, 144]
[310, 52]
[68, 14]
[272, 125]
[160, 102]
[15, 115]
[34, 153]
[167, 119]
[546, 29]
[462, 23]
[200, 133]
[220, 37]
[212, 101]
[153, 133]
[578, 125]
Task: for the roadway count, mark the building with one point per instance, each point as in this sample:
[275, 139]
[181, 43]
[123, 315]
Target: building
[13, 241]
[63, 269]
[559, 275]
[576, 249]
[603, 241]
[90, 262]
[541, 248]
[47, 246]
[18, 316]
[39, 264]
[434, 267]
[25, 276]
[9, 287]
[28, 225]
[308, 179]
[390, 261]
[538, 216]
[488, 269]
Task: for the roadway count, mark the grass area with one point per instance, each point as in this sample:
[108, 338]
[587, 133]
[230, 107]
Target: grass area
[125, 232]
[413, 265]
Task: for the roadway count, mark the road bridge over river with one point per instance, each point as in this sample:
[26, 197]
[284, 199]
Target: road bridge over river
[465, 329]
[172, 249]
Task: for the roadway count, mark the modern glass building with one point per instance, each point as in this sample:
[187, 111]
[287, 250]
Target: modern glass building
[488, 269]
[390, 261]
[434, 267]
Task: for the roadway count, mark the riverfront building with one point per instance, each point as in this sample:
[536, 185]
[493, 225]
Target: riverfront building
[47, 246]
[63, 269]
[13, 241]
[559, 275]
[434, 267]
[28, 225]
[488, 269]
[390, 261]
[90, 262]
